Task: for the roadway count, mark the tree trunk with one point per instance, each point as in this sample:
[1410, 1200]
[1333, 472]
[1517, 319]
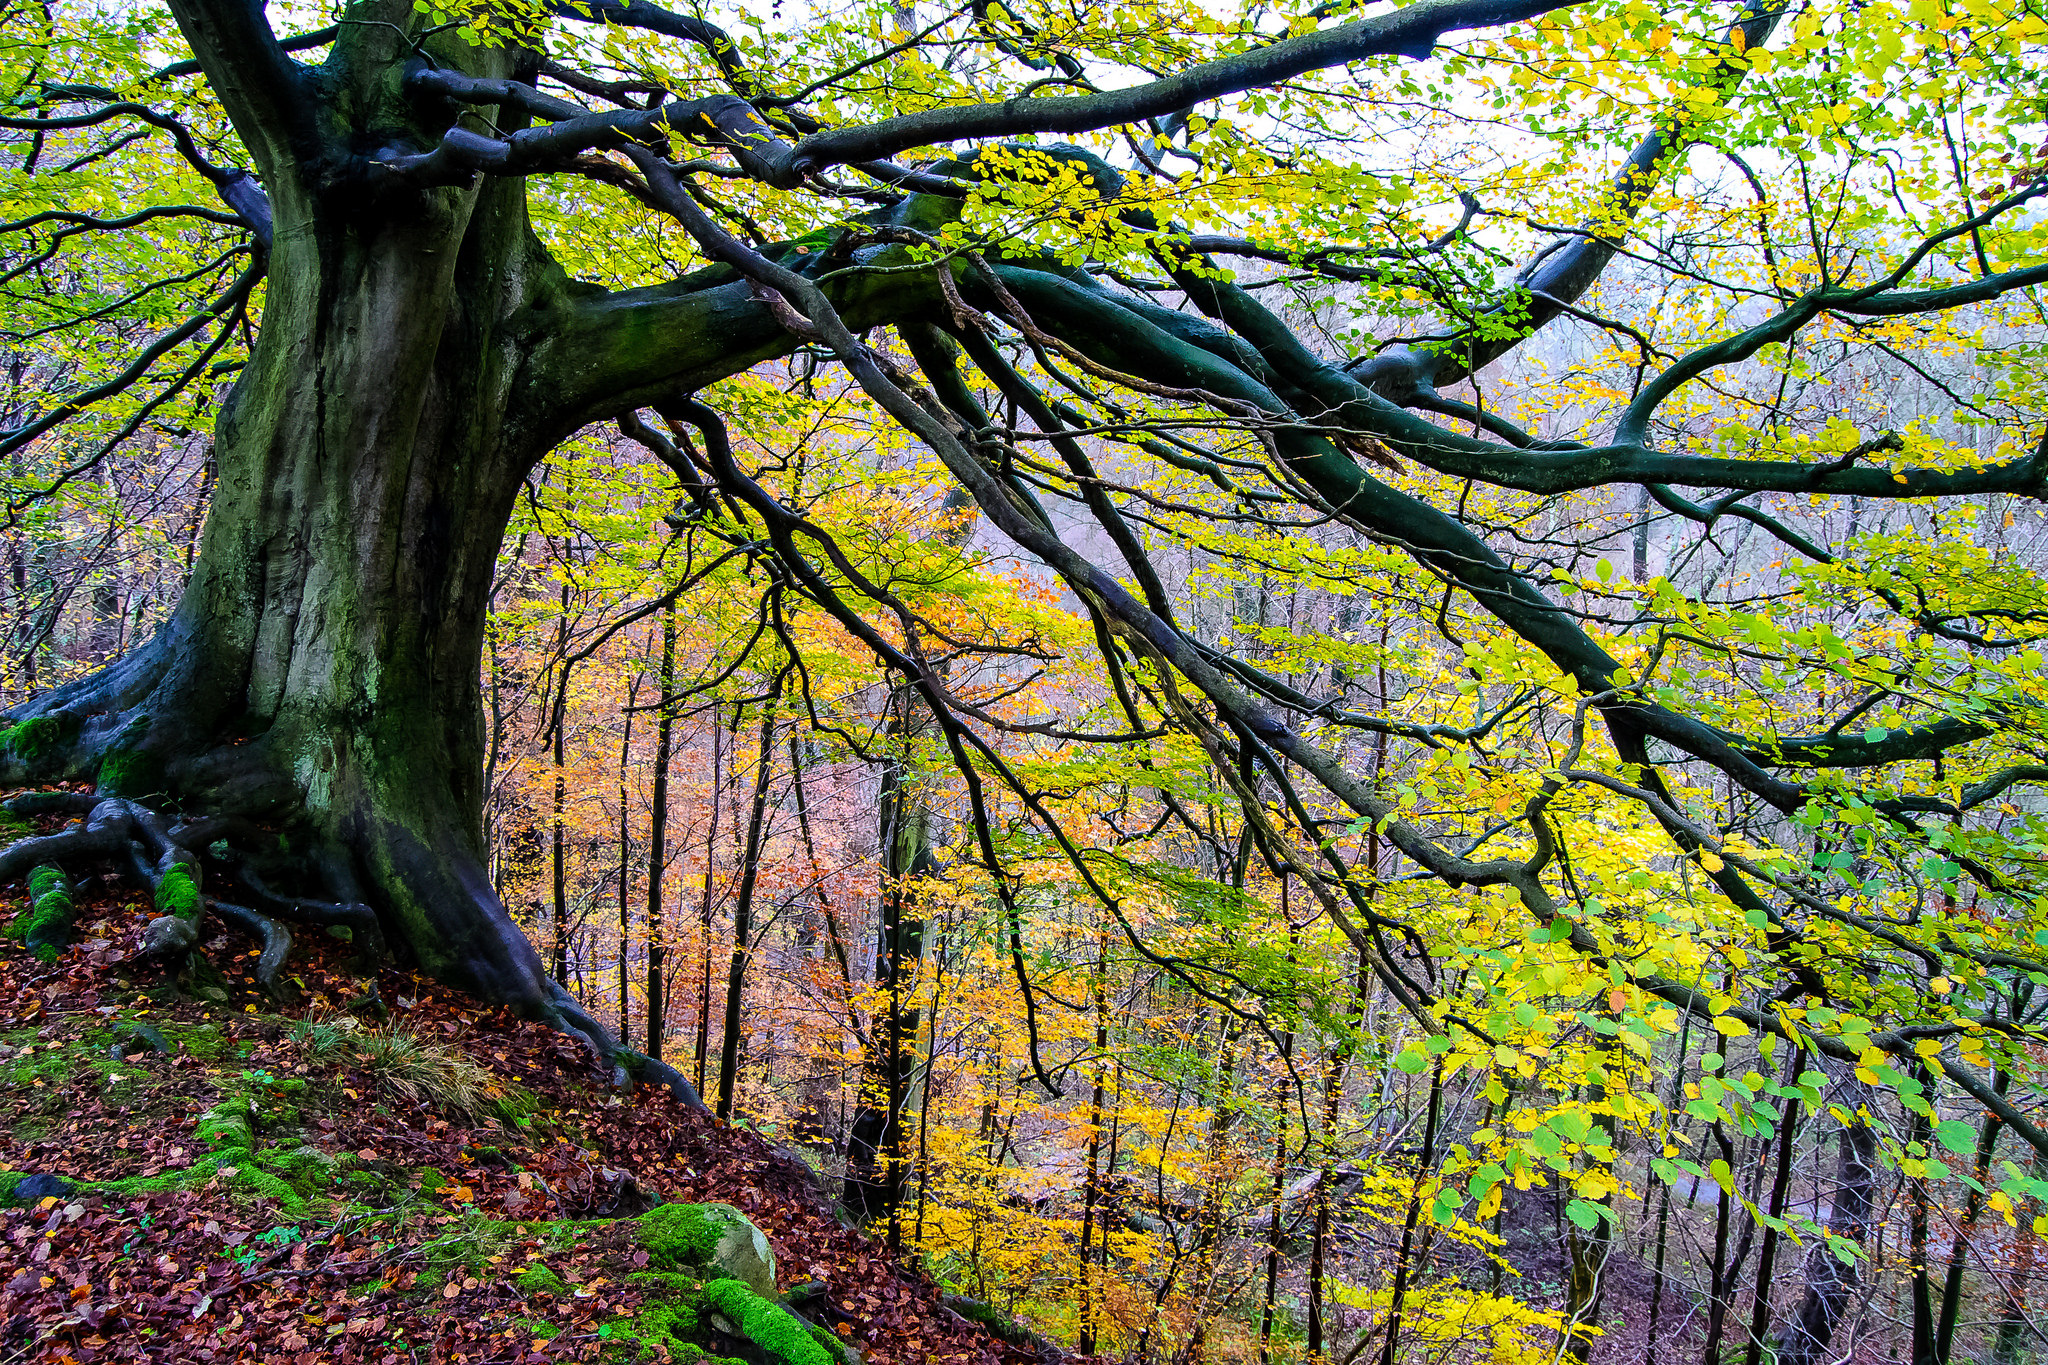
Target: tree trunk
[657, 841]
[323, 663]
[1831, 1282]
[559, 852]
[874, 1164]
[419, 353]
[1973, 1208]
[743, 909]
[1767, 1255]
[705, 902]
[626, 866]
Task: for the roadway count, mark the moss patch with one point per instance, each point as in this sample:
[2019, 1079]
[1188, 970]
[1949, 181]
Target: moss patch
[538, 1279]
[177, 894]
[38, 739]
[131, 772]
[46, 925]
[679, 1236]
[769, 1326]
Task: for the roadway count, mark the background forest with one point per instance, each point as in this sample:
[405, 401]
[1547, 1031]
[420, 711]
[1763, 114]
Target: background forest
[1097, 1010]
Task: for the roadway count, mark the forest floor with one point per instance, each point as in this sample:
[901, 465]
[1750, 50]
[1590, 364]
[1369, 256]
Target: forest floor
[419, 1182]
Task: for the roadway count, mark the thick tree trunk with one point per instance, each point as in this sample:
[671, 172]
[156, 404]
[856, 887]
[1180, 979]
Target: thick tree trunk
[419, 352]
[321, 670]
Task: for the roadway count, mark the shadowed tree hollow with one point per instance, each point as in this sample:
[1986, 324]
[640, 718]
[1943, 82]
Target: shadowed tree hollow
[1051, 256]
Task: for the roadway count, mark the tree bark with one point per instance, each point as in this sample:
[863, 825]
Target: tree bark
[743, 908]
[1831, 1282]
[874, 1158]
[657, 841]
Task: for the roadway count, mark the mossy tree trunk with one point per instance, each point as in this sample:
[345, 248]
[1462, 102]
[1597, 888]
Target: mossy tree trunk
[419, 353]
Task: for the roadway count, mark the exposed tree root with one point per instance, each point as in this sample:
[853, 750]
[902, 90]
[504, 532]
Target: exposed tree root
[170, 855]
[167, 856]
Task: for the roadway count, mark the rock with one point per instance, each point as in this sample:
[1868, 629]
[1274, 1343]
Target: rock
[32, 1189]
[717, 1238]
[131, 1037]
[169, 935]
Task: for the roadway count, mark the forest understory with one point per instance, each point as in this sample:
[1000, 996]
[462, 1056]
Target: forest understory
[382, 1172]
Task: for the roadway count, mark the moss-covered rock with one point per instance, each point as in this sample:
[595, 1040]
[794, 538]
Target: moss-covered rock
[715, 1238]
[227, 1124]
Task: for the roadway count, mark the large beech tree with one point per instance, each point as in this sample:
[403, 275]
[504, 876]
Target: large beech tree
[1013, 229]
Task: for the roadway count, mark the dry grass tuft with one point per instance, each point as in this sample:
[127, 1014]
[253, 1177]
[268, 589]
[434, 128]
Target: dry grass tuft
[414, 1068]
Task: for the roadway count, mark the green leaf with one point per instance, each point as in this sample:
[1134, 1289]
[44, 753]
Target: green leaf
[1957, 1136]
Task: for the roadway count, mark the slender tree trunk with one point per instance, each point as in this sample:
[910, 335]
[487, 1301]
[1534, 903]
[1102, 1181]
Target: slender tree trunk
[1215, 1181]
[874, 1165]
[1091, 1188]
[1721, 1289]
[1973, 1207]
[561, 861]
[1831, 1282]
[1397, 1296]
[1767, 1255]
[743, 908]
[1333, 1102]
[1920, 1280]
[909, 834]
[1664, 1200]
[705, 901]
[626, 865]
[1275, 1238]
[2015, 1325]
[657, 843]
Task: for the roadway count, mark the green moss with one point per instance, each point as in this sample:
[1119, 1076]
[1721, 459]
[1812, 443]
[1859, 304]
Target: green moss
[131, 772]
[769, 1326]
[239, 1168]
[38, 739]
[46, 926]
[663, 1329]
[177, 894]
[306, 1169]
[228, 1124]
[251, 1178]
[207, 1042]
[538, 1279]
[678, 1236]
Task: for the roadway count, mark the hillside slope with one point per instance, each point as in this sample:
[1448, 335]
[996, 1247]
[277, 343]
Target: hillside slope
[378, 1172]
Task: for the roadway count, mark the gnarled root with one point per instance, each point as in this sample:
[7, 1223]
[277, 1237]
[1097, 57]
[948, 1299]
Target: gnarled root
[627, 1066]
[159, 853]
[169, 855]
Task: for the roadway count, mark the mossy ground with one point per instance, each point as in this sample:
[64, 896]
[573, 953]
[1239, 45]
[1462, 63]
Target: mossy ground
[219, 1152]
